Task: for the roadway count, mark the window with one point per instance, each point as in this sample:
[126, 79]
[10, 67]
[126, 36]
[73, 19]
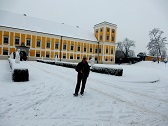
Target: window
[17, 41]
[56, 45]
[96, 30]
[107, 37]
[64, 47]
[112, 38]
[111, 60]
[101, 30]
[37, 54]
[108, 29]
[113, 30]
[91, 50]
[106, 59]
[84, 49]
[5, 52]
[96, 50]
[64, 56]
[111, 51]
[78, 48]
[38, 43]
[99, 50]
[48, 45]
[106, 50]
[28, 41]
[78, 57]
[96, 59]
[72, 47]
[71, 57]
[47, 55]
[6, 39]
[100, 37]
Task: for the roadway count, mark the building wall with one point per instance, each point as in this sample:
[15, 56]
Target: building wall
[70, 53]
[150, 58]
[35, 52]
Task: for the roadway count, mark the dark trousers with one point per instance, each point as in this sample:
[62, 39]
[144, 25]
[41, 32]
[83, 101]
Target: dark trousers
[80, 78]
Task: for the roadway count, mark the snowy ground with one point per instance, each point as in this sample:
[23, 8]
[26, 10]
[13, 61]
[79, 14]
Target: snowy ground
[139, 97]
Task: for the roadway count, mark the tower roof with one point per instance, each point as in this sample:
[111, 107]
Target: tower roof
[105, 23]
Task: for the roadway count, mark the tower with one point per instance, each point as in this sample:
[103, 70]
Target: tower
[105, 33]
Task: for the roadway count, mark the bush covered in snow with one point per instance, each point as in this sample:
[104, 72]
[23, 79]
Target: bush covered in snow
[19, 71]
[111, 71]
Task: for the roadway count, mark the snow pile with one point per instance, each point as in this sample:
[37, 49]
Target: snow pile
[15, 65]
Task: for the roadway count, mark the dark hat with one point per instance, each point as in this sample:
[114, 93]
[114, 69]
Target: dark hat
[84, 57]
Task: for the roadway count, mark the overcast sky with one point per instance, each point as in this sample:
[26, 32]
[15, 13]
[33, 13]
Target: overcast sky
[134, 18]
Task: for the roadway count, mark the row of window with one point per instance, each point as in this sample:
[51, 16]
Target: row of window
[71, 57]
[107, 37]
[38, 44]
[17, 41]
[5, 52]
[108, 30]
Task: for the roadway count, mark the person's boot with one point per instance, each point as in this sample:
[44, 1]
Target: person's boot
[75, 94]
[82, 93]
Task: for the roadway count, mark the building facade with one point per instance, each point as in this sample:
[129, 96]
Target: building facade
[37, 38]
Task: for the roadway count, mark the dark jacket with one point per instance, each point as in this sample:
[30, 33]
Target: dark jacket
[83, 69]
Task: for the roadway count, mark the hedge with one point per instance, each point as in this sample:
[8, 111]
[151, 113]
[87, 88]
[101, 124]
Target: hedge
[19, 71]
[111, 71]
[104, 70]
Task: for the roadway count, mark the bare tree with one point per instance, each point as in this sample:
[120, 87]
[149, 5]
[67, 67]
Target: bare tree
[153, 52]
[125, 46]
[157, 42]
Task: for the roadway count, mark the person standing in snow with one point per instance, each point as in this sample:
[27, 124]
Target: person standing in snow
[83, 70]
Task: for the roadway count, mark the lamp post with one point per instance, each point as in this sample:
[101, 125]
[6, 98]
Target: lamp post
[60, 49]
[98, 53]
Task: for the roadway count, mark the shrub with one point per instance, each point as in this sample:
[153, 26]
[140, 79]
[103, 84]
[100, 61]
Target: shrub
[20, 75]
[19, 72]
[111, 71]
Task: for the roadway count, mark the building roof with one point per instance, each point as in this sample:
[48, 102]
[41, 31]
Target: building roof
[18, 21]
[106, 23]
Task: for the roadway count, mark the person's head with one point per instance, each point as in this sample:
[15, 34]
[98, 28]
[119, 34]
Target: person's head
[84, 59]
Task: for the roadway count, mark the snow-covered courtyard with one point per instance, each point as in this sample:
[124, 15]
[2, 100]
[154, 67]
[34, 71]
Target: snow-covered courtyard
[138, 98]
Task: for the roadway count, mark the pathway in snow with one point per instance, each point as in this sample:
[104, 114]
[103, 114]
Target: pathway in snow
[47, 100]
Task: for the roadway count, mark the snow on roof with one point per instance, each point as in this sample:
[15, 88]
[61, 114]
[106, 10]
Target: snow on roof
[106, 23]
[24, 22]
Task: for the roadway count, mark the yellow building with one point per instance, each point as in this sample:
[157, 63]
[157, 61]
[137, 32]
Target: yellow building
[37, 38]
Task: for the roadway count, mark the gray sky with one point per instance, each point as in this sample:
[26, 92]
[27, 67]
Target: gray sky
[134, 18]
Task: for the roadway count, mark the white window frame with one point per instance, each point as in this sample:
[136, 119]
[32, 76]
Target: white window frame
[38, 41]
[17, 38]
[65, 46]
[28, 40]
[72, 46]
[57, 43]
[47, 44]
[4, 39]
